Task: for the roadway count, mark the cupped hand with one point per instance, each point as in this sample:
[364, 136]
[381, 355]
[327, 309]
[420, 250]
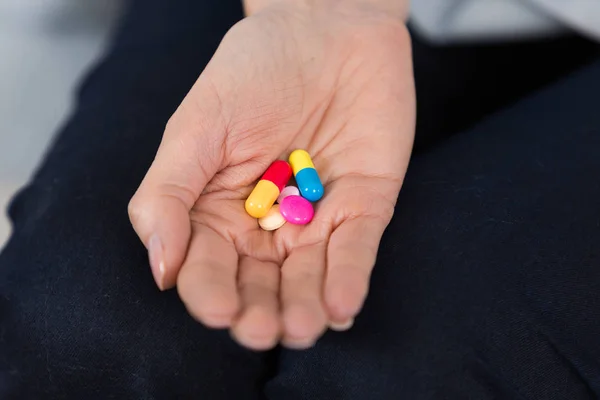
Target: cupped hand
[333, 79]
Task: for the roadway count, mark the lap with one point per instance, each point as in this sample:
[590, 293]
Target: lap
[487, 283]
[483, 288]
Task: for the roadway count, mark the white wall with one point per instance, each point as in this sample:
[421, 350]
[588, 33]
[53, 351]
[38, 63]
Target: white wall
[45, 47]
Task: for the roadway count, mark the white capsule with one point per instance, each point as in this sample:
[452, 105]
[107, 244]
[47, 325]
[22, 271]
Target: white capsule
[273, 220]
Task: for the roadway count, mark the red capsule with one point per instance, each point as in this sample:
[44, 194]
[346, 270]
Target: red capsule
[267, 190]
[279, 173]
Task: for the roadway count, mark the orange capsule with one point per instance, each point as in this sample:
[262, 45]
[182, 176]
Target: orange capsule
[267, 190]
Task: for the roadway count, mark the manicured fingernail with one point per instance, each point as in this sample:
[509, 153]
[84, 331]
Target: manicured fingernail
[157, 261]
[344, 326]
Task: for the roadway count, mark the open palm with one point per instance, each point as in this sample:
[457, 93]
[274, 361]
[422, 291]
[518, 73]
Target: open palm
[286, 78]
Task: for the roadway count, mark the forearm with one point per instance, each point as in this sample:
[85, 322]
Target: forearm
[396, 7]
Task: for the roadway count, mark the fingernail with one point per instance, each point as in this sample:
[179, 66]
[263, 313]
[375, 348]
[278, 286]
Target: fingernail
[298, 344]
[157, 261]
[343, 326]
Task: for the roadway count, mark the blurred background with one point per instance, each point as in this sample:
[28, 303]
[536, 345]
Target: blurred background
[45, 47]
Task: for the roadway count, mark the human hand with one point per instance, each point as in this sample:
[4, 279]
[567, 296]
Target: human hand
[335, 80]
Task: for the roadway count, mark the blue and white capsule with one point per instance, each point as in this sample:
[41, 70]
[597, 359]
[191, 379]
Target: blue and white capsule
[307, 178]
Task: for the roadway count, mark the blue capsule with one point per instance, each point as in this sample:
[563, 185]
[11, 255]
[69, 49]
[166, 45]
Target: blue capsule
[309, 184]
[306, 175]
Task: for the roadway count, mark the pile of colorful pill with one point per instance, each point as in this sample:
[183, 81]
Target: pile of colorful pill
[294, 203]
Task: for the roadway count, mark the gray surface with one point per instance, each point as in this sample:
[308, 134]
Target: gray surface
[45, 47]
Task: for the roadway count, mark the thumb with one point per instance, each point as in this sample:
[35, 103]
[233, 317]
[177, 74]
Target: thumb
[187, 159]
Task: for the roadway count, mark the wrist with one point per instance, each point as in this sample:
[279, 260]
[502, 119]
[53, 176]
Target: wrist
[395, 8]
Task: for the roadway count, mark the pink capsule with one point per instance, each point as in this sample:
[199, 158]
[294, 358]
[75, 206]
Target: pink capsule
[296, 210]
[288, 191]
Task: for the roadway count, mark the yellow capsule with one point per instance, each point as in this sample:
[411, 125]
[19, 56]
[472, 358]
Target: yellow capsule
[300, 159]
[262, 198]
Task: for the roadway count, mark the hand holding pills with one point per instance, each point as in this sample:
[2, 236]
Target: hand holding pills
[292, 207]
[279, 172]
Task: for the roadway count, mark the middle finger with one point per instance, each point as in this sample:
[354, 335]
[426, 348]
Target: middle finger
[304, 316]
[258, 324]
